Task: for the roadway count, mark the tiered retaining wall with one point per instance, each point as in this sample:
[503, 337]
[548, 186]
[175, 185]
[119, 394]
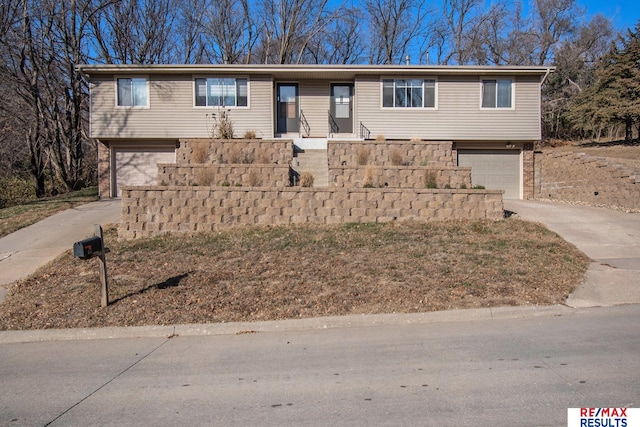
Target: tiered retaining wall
[225, 174]
[248, 151]
[149, 211]
[434, 154]
[399, 176]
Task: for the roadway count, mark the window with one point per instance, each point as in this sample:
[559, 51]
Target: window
[408, 93]
[221, 92]
[496, 93]
[132, 92]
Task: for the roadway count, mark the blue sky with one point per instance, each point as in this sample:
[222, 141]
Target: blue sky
[623, 13]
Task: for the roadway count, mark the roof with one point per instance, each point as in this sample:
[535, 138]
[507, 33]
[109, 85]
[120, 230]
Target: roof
[307, 71]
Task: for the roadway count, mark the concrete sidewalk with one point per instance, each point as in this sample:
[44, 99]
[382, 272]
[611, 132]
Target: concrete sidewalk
[610, 238]
[23, 252]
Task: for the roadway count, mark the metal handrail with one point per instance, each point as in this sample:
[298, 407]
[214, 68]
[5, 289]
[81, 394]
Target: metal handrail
[305, 124]
[333, 125]
[365, 133]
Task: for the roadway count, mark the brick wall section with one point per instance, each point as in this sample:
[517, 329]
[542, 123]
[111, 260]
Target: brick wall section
[104, 171]
[399, 176]
[435, 154]
[216, 175]
[577, 177]
[155, 210]
[221, 151]
[528, 181]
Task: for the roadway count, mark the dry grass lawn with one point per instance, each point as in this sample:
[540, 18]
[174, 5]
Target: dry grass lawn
[265, 273]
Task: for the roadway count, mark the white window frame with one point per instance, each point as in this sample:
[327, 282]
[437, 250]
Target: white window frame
[133, 106]
[424, 80]
[206, 78]
[512, 81]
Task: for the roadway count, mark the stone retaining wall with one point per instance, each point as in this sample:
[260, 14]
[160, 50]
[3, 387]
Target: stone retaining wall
[578, 177]
[432, 154]
[155, 210]
[227, 174]
[222, 151]
[400, 176]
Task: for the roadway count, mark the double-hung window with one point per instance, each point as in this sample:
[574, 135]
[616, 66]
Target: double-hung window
[497, 93]
[221, 92]
[408, 93]
[133, 92]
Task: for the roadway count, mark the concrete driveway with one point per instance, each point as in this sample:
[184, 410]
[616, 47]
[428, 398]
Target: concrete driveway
[24, 251]
[610, 238]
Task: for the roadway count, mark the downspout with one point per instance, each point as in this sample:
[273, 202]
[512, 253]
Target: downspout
[546, 75]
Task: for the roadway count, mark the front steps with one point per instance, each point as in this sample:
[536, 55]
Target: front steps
[310, 155]
[315, 162]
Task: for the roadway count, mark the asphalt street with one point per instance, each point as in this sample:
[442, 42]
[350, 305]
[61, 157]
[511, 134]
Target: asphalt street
[522, 370]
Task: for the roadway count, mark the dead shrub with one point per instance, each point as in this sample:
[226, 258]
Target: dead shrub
[264, 158]
[306, 179]
[204, 177]
[381, 138]
[200, 152]
[430, 179]
[395, 157]
[367, 181]
[362, 154]
[235, 155]
[223, 128]
[250, 134]
[254, 179]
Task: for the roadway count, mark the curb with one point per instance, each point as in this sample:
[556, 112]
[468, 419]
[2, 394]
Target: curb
[318, 323]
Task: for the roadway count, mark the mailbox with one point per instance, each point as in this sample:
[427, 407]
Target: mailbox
[87, 248]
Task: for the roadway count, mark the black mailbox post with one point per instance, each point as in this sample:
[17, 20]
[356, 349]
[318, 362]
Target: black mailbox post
[87, 248]
[94, 247]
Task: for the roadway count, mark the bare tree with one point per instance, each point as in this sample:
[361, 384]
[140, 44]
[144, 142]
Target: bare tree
[575, 61]
[229, 26]
[289, 27]
[136, 32]
[190, 38]
[25, 66]
[340, 42]
[40, 52]
[461, 18]
[553, 21]
[394, 26]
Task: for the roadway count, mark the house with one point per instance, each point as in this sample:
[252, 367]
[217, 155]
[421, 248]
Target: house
[139, 113]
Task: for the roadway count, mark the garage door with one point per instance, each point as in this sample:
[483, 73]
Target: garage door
[494, 169]
[140, 166]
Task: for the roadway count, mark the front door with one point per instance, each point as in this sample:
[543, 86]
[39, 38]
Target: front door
[342, 108]
[288, 119]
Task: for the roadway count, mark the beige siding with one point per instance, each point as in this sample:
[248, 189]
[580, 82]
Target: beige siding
[314, 102]
[458, 115]
[172, 114]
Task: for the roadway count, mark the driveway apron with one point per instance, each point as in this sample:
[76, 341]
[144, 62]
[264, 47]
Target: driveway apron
[23, 252]
[610, 238]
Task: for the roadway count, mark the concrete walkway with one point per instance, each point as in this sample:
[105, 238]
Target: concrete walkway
[24, 251]
[610, 238]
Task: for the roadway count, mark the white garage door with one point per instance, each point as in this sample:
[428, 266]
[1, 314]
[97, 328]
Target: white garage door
[140, 166]
[494, 169]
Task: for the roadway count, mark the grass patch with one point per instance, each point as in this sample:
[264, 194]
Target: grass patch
[269, 273]
[16, 217]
